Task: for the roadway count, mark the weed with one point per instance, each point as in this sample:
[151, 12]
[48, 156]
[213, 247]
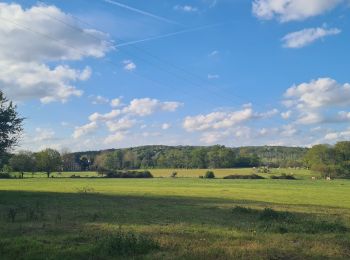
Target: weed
[124, 243]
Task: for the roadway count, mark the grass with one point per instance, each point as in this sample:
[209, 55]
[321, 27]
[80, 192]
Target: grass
[174, 218]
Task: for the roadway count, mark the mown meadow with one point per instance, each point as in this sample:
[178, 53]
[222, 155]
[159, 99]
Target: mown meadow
[175, 218]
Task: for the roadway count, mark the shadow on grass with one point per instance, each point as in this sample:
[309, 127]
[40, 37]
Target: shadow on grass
[88, 207]
[74, 224]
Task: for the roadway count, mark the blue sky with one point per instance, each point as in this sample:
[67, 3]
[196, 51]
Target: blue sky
[100, 74]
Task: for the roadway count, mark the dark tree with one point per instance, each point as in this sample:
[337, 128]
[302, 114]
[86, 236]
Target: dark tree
[10, 125]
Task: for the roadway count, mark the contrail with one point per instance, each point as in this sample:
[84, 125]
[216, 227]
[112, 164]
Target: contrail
[141, 11]
[168, 35]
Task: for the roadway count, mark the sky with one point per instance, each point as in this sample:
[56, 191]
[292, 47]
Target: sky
[99, 74]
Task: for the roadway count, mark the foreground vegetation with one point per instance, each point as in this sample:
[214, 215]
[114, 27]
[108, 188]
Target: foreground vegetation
[174, 218]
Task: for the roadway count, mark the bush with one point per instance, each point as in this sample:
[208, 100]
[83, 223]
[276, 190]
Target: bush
[269, 214]
[283, 177]
[209, 175]
[127, 244]
[128, 174]
[5, 175]
[75, 176]
[245, 177]
[173, 175]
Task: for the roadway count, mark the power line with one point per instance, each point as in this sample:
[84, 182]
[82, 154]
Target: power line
[184, 78]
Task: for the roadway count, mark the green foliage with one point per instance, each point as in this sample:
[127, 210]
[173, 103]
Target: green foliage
[48, 160]
[122, 243]
[330, 161]
[128, 174]
[5, 175]
[209, 175]
[283, 177]
[22, 162]
[10, 124]
[245, 177]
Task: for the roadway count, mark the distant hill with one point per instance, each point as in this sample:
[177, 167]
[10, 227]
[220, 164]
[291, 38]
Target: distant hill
[162, 156]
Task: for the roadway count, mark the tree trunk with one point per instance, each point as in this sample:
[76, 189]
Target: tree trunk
[22, 173]
[48, 174]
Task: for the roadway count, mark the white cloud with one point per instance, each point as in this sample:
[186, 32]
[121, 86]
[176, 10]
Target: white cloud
[292, 10]
[98, 100]
[120, 125]
[148, 106]
[186, 8]
[43, 134]
[224, 120]
[166, 126]
[137, 108]
[24, 73]
[114, 138]
[105, 117]
[85, 129]
[217, 120]
[318, 93]
[319, 101]
[286, 115]
[116, 102]
[337, 136]
[307, 36]
[129, 65]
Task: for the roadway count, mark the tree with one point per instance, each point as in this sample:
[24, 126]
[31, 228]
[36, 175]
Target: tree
[114, 161]
[10, 125]
[321, 158]
[48, 160]
[342, 157]
[22, 162]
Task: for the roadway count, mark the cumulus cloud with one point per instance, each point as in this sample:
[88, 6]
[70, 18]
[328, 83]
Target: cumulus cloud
[222, 120]
[116, 102]
[292, 10]
[43, 134]
[105, 117]
[319, 93]
[114, 138]
[85, 129]
[120, 125]
[129, 65]
[319, 101]
[99, 100]
[305, 37]
[286, 115]
[148, 106]
[24, 73]
[123, 119]
[337, 136]
[166, 126]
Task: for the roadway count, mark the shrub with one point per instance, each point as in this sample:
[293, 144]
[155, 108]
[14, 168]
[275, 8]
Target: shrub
[242, 210]
[5, 175]
[173, 175]
[75, 176]
[129, 174]
[264, 170]
[269, 214]
[245, 177]
[127, 244]
[209, 175]
[283, 177]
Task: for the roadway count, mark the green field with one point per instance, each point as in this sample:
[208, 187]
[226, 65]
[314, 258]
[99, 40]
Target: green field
[180, 218]
[189, 173]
